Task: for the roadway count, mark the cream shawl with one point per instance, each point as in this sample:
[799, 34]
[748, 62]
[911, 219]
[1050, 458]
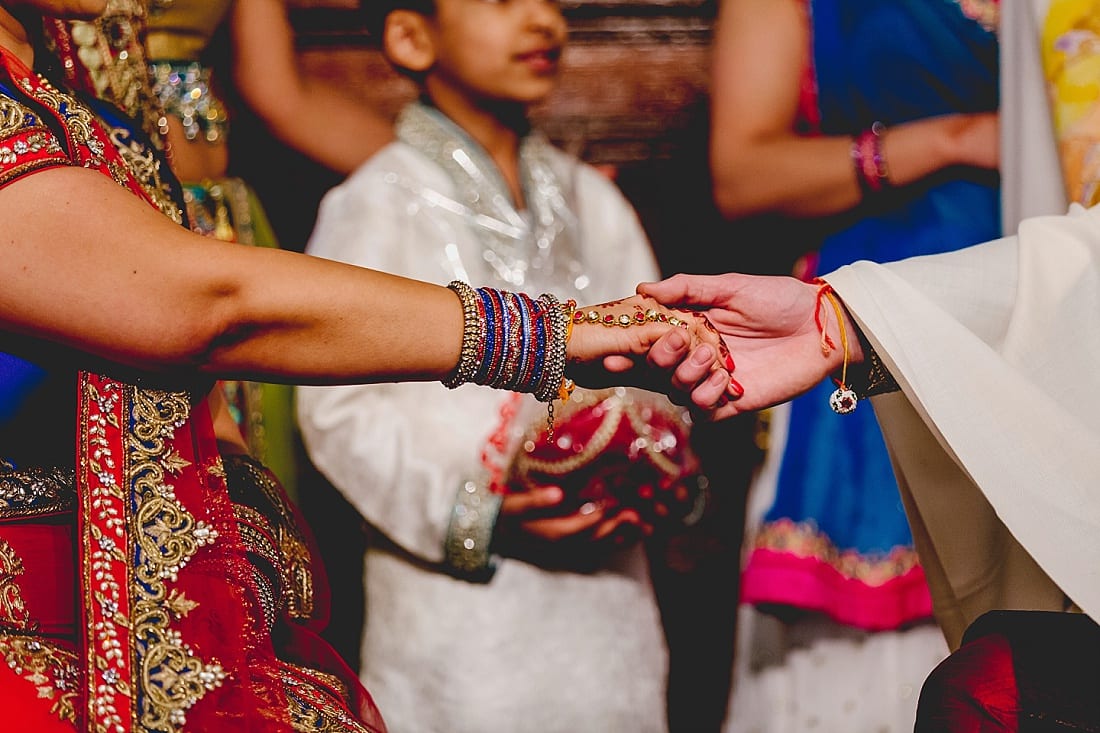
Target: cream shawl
[996, 434]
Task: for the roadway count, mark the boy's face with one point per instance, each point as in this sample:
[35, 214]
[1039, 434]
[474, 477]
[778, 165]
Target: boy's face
[497, 50]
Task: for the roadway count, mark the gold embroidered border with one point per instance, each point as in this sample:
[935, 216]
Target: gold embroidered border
[166, 536]
[53, 670]
[36, 491]
[804, 539]
[13, 117]
[24, 135]
[39, 143]
[295, 565]
[80, 123]
[13, 608]
[314, 709]
[103, 543]
[135, 163]
[144, 166]
[140, 674]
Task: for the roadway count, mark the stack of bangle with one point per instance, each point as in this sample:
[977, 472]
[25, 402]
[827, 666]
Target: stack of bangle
[514, 342]
[869, 160]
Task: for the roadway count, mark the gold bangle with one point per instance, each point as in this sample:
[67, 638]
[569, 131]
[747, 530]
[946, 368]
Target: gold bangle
[471, 335]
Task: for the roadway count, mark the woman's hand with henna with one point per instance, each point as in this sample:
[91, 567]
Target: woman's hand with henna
[610, 342]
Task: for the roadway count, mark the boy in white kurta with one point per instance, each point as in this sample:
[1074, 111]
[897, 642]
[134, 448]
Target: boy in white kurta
[458, 639]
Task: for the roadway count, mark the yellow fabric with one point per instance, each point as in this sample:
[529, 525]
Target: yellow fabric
[182, 30]
[1070, 49]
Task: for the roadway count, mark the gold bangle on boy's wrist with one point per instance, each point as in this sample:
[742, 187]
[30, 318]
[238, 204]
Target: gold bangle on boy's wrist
[466, 548]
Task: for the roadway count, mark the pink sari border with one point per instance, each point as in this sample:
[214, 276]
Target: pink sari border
[812, 584]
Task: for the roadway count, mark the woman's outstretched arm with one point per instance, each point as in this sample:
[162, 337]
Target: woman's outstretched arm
[88, 265]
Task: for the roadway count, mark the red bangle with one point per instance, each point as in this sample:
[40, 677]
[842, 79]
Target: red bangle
[869, 160]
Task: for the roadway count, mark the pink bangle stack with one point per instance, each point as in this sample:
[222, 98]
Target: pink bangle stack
[869, 160]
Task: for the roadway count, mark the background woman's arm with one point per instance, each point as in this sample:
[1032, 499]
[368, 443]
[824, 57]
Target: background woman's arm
[318, 119]
[759, 164]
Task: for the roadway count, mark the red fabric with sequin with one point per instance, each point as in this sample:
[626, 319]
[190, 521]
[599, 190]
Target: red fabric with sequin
[169, 612]
[624, 449]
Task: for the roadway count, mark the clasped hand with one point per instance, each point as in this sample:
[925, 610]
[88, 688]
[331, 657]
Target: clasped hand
[772, 326]
[611, 343]
[749, 342]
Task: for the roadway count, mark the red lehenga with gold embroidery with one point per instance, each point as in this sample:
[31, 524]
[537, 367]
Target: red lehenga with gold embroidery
[146, 583]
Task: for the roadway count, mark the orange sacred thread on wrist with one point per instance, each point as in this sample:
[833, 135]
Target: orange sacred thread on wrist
[843, 400]
[823, 288]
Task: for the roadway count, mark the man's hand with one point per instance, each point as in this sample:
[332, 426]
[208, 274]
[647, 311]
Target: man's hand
[769, 326]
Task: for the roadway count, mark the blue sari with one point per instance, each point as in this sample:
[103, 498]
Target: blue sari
[836, 539]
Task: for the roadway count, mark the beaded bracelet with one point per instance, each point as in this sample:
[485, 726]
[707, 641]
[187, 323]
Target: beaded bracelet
[624, 320]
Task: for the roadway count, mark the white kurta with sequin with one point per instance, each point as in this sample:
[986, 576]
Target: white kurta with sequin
[532, 649]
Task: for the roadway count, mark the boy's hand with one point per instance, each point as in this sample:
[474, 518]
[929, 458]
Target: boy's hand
[531, 526]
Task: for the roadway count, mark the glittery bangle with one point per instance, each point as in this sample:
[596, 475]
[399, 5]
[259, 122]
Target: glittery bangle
[542, 337]
[554, 384]
[514, 329]
[489, 344]
[498, 352]
[869, 160]
[547, 389]
[472, 339]
[466, 549]
[526, 323]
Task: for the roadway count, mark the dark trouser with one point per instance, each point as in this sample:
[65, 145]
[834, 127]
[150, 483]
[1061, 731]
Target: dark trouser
[1017, 672]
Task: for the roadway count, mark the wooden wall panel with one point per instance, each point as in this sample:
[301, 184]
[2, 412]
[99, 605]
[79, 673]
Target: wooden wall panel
[630, 73]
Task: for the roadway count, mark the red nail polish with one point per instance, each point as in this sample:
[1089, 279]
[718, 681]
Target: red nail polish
[736, 389]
